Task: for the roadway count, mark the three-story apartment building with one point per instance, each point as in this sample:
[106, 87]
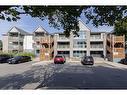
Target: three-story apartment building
[13, 40]
[87, 43]
[46, 46]
[38, 34]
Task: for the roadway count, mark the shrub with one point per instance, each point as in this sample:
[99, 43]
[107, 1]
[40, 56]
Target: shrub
[18, 54]
[5, 53]
[26, 54]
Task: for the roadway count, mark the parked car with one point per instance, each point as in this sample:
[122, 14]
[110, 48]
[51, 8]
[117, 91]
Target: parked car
[19, 59]
[87, 60]
[59, 59]
[123, 61]
[4, 58]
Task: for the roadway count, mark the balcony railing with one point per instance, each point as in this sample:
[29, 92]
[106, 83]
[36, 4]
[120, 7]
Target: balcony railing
[63, 46]
[120, 50]
[96, 46]
[78, 46]
[62, 38]
[15, 39]
[95, 37]
[37, 46]
[47, 40]
[119, 38]
[17, 47]
[37, 38]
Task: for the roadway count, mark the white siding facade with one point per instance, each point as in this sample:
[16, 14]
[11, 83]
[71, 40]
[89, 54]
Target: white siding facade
[28, 43]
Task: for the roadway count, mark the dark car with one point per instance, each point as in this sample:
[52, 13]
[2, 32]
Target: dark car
[4, 58]
[59, 59]
[87, 60]
[123, 61]
[19, 59]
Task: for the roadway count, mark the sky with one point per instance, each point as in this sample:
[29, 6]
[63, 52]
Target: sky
[29, 24]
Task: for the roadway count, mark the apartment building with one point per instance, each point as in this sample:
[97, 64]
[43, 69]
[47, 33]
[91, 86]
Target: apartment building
[87, 43]
[43, 44]
[13, 40]
[47, 50]
[115, 47]
[98, 44]
[38, 34]
[28, 43]
[46, 46]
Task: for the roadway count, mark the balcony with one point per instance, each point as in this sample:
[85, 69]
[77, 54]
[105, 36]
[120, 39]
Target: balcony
[96, 46]
[120, 50]
[63, 38]
[37, 39]
[79, 46]
[63, 46]
[96, 38]
[13, 39]
[15, 47]
[119, 38]
[37, 46]
[47, 40]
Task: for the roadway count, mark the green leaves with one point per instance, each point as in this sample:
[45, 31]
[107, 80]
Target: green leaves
[0, 44]
[66, 17]
[121, 27]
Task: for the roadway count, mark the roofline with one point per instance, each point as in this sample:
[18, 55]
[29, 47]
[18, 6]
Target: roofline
[41, 27]
[98, 32]
[84, 24]
[17, 29]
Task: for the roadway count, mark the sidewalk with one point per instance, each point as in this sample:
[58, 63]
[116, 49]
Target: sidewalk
[119, 65]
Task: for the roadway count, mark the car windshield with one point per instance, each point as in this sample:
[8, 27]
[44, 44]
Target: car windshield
[88, 57]
[17, 57]
[59, 56]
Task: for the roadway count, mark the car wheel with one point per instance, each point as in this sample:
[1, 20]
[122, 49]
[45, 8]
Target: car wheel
[19, 62]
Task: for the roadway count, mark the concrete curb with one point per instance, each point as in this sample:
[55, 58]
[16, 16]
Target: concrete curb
[119, 65]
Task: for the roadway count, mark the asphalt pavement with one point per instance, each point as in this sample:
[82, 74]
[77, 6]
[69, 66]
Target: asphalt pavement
[62, 76]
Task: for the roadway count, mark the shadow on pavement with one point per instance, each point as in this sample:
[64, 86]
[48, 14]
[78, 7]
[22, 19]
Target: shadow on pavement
[77, 77]
[68, 77]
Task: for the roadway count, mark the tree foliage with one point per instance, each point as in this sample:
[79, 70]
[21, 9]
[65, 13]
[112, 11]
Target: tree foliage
[67, 16]
[120, 27]
[0, 44]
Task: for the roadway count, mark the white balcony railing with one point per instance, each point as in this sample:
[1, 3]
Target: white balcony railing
[63, 38]
[15, 39]
[96, 46]
[63, 46]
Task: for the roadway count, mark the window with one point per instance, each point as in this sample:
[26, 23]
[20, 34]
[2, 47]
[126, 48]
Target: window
[79, 53]
[82, 35]
[95, 36]
[38, 34]
[62, 37]
[63, 45]
[38, 51]
[79, 44]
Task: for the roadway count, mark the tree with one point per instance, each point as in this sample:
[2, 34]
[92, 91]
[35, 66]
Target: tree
[120, 27]
[67, 16]
[0, 45]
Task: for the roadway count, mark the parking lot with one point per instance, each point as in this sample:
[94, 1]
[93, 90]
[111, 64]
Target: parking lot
[33, 75]
[6, 69]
